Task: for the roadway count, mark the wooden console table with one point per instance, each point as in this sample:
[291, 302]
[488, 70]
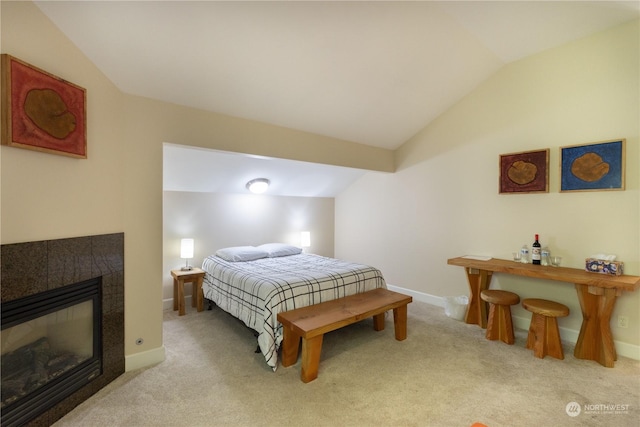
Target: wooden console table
[596, 293]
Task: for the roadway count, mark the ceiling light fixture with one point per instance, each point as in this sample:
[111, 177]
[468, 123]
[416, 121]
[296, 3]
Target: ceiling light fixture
[258, 185]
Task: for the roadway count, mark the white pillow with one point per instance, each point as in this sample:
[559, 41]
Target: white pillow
[241, 253]
[279, 249]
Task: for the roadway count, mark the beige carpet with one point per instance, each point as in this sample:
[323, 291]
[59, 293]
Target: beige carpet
[445, 374]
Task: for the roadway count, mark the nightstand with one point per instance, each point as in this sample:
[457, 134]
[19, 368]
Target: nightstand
[194, 276]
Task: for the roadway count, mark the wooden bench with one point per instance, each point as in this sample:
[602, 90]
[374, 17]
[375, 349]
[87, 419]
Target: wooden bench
[312, 322]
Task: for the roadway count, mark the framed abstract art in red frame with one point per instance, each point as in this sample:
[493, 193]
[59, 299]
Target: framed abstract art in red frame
[41, 111]
[524, 172]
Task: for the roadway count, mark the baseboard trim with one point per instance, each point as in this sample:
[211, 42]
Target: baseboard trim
[419, 296]
[624, 349]
[167, 304]
[144, 359]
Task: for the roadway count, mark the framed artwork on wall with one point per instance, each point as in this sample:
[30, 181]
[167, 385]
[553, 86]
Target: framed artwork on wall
[593, 167]
[524, 172]
[42, 112]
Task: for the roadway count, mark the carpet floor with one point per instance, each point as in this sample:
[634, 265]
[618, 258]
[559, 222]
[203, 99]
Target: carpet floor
[444, 374]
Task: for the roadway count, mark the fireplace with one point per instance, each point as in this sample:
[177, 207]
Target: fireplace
[62, 324]
[51, 347]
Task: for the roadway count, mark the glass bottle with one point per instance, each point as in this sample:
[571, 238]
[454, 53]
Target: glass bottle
[536, 252]
[545, 256]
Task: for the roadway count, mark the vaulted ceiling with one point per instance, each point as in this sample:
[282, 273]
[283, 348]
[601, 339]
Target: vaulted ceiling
[370, 72]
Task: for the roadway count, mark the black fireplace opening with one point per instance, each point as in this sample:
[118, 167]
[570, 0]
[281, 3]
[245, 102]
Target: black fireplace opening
[51, 347]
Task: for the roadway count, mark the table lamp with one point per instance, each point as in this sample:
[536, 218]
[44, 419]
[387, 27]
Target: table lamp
[305, 239]
[186, 252]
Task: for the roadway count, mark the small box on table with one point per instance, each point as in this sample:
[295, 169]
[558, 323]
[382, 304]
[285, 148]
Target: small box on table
[613, 268]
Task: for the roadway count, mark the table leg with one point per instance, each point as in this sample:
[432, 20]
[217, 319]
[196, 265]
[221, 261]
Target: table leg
[194, 293]
[595, 341]
[200, 295]
[180, 297]
[479, 280]
[175, 294]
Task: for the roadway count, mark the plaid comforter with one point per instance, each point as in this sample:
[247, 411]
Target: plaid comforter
[256, 291]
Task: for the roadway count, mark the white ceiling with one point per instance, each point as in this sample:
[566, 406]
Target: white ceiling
[370, 72]
[201, 170]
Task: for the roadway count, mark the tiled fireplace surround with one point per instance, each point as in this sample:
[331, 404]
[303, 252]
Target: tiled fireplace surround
[33, 267]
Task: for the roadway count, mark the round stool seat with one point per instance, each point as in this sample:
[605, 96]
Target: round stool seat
[545, 307]
[496, 296]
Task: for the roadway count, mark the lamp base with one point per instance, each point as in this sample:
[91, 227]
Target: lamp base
[187, 268]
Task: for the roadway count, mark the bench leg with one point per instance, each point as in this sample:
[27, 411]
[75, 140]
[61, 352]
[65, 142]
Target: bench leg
[400, 322]
[290, 346]
[311, 349]
[378, 322]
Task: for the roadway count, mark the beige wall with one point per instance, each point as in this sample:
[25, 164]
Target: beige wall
[119, 187]
[219, 220]
[443, 200]
[46, 196]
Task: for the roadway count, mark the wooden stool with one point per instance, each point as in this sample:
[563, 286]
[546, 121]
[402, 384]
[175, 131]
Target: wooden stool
[544, 335]
[499, 325]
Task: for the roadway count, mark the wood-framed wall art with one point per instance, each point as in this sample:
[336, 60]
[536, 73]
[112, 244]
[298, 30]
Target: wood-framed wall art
[41, 111]
[596, 166]
[524, 172]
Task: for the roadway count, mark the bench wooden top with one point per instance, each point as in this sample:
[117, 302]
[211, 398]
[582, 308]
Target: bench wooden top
[331, 315]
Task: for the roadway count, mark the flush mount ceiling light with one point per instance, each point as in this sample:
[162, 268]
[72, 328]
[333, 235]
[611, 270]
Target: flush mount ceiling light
[258, 185]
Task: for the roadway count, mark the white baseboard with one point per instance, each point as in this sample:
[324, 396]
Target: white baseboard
[419, 296]
[167, 304]
[624, 349]
[144, 359]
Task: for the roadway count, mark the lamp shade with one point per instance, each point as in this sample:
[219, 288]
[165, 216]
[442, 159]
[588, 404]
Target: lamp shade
[186, 248]
[305, 239]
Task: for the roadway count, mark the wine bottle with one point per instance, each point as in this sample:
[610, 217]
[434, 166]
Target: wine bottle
[536, 252]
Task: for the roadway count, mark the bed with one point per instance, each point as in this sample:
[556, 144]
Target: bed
[254, 284]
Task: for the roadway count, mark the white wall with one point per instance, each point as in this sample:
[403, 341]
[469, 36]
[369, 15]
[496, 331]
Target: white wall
[443, 200]
[220, 220]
